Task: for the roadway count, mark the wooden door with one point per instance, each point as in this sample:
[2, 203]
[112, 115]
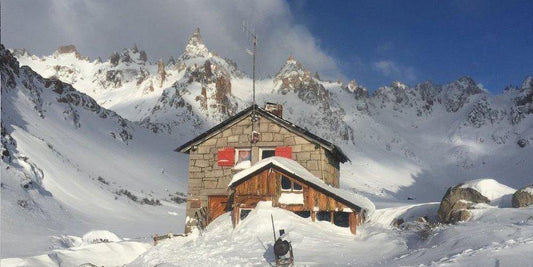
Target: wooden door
[218, 205]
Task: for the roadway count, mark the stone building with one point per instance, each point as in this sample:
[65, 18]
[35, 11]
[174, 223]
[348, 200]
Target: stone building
[218, 154]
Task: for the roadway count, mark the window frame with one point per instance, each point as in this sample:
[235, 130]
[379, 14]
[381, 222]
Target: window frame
[292, 185]
[237, 150]
[246, 216]
[261, 149]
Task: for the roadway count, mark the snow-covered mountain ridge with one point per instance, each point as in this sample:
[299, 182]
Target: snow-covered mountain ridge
[68, 165]
[398, 137]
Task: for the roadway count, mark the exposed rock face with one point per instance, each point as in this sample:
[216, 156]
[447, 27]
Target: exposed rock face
[359, 91]
[524, 101]
[67, 49]
[456, 94]
[195, 47]
[456, 201]
[294, 77]
[68, 98]
[483, 112]
[523, 197]
[397, 93]
[161, 71]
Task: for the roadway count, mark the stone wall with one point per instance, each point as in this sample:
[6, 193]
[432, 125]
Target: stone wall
[207, 178]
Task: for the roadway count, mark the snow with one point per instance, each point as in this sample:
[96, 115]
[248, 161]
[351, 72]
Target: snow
[242, 165]
[67, 169]
[100, 236]
[298, 170]
[529, 189]
[497, 193]
[101, 254]
[291, 198]
[496, 235]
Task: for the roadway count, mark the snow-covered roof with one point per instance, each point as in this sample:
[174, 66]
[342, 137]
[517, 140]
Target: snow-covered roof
[293, 167]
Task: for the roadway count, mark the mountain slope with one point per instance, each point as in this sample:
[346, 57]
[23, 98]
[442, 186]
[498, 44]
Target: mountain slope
[70, 166]
[403, 142]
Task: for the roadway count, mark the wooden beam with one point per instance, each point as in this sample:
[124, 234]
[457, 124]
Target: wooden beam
[353, 223]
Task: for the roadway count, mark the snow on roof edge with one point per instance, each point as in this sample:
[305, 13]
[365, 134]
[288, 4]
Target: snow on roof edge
[295, 168]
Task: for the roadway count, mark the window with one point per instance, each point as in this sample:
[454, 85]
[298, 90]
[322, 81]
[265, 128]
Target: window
[267, 152]
[296, 187]
[288, 185]
[242, 154]
[244, 213]
[323, 216]
[341, 219]
[303, 213]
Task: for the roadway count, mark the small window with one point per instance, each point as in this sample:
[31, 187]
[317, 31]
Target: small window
[341, 219]
[267, 152]
[303, 213]
[244, 213]
[242, 154]
[286, 184]
[297, 187]
[323, 216]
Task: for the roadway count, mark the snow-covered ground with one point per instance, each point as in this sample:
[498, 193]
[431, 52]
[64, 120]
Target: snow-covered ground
[495, 236]
[68, 167]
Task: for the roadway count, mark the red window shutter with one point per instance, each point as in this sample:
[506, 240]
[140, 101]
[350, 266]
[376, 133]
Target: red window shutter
[283, 151]
[226, 157]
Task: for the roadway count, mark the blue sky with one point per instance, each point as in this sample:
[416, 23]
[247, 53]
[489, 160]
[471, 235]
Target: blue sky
[413, 41]
[374, 42]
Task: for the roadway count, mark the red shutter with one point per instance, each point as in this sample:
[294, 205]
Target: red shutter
[226, 157]
[283, 151]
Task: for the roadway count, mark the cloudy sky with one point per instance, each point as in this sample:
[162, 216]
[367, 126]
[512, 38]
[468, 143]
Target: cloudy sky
[374, 43]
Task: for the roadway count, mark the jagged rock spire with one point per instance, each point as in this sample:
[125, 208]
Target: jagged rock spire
[195, 47]
[291, 68]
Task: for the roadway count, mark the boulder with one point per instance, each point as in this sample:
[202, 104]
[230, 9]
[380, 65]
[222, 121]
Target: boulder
[523, 197]
[456, 201]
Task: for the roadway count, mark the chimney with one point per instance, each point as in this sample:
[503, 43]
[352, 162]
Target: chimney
[274, 108]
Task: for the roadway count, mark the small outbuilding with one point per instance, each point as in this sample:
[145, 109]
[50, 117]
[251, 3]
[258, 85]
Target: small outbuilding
[290, 186]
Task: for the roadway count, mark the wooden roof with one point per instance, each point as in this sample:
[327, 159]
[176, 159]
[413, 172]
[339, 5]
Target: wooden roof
[332, 148]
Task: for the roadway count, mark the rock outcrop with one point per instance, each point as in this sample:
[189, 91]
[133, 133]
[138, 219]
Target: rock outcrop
[195, 47]
[456, 202]
[523, 197]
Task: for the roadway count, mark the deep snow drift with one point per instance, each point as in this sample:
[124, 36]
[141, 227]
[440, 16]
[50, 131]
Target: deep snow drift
[494, 237]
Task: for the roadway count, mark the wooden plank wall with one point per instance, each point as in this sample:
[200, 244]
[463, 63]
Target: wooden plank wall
[266, 186]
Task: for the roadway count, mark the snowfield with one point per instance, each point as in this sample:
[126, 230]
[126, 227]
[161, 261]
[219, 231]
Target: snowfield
[495, 236]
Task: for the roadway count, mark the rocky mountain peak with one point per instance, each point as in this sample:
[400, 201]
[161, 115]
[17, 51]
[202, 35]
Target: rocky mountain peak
[20, 52]
[456, 94]
[131, 55]
[399, 85]
[528, 82]
[292, 68]
[69, 49]
[395, 93]
[360, 92]
[195, 47]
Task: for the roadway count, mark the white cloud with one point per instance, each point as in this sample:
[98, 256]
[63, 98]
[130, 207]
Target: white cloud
[393, 70]
[162, 28]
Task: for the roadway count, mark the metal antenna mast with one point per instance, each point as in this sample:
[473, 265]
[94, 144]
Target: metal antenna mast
[253, 36]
